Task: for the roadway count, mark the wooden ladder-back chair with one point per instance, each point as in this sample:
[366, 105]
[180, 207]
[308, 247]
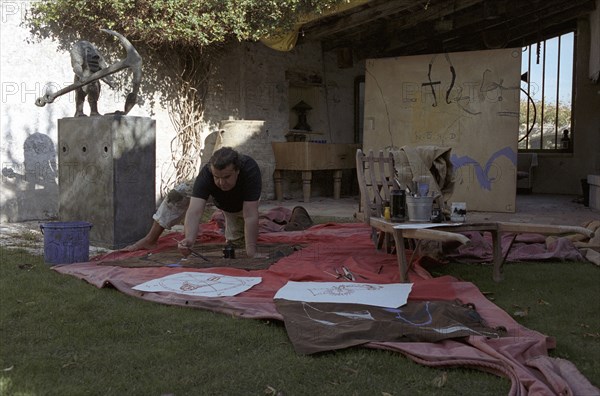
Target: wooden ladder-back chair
[376, 178]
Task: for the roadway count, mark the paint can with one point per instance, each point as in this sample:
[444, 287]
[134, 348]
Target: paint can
[458, 211]
[419, 208]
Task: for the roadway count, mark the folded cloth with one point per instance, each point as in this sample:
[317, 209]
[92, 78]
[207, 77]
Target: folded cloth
[300, 220]
[430, 164]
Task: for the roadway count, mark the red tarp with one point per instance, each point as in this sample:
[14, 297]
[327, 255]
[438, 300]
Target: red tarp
[521, 355]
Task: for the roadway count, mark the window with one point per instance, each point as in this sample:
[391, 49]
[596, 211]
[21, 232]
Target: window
[546, 93]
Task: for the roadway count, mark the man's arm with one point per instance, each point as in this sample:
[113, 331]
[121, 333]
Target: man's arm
[192, 220]
[250, 212]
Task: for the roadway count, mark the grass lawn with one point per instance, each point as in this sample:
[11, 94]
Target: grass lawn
[62, 336]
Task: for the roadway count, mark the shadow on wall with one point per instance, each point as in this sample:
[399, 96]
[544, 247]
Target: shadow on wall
[31, 188]
[168, 173]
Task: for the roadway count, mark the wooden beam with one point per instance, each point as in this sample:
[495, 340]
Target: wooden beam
[394, 28]
[361, 16]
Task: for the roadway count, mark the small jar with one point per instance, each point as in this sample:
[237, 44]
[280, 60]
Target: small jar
[398, 206]
[229, 252]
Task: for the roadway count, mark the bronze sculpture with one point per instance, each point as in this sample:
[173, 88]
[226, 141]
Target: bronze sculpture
[85, 61]
[89, 67]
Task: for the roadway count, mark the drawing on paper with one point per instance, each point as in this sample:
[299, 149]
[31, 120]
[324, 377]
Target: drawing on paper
[200, 284]
[343, 289]
[381, 295]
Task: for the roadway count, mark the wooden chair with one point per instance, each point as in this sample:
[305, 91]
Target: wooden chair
[377, 174]
[526, 162]
[375, 178]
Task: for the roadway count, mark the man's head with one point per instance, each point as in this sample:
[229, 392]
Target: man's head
[225, 167]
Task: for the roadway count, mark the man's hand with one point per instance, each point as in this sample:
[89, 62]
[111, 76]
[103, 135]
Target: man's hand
[184, 247]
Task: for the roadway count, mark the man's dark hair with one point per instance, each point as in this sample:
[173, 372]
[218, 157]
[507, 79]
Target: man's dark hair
[223, 157]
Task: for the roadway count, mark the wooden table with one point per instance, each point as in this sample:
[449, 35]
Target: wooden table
[307, 157]
[452, 232]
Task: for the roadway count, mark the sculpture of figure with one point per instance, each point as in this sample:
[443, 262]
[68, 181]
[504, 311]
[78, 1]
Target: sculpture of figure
[90, 67]
[87, 60]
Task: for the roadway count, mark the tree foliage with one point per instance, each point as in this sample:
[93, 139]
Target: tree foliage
[171, 35]
[172, 23]
[551, 118]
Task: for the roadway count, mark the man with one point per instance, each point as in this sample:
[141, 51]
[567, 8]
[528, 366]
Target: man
[234, 182]
[170, 212]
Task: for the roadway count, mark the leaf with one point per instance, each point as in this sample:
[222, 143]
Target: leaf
[521, 312]
[543, 302]
[272, 391]
[440, 380]
[350, 370]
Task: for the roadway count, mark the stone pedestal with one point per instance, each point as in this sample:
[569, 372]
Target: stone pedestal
[107, 176]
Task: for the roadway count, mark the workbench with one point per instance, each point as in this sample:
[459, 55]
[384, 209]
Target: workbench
[308, 157]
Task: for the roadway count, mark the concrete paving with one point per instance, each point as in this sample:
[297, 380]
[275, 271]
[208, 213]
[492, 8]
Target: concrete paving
[531, 208]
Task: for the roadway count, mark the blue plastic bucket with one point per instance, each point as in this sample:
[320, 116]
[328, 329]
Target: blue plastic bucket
[66, 242]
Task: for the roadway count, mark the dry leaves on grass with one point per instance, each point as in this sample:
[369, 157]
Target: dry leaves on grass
[591, 335]
[521, 312]
[588, 334]
[269, 390]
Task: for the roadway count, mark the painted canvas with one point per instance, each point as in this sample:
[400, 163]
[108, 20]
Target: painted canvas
[468, 101]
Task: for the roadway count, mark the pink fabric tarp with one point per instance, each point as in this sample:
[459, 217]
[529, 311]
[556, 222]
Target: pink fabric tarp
[525, 247]
[521, 355]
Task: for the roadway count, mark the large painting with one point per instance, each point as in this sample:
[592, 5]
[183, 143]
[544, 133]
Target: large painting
[468, 101]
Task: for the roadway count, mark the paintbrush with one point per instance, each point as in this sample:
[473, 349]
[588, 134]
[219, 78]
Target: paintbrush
[194, 252]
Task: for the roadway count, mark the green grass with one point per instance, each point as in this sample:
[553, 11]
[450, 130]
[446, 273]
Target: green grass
[559, 299]
[62, 336]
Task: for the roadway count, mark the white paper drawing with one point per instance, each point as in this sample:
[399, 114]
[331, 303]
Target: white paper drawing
[200, 284]
[391, 295]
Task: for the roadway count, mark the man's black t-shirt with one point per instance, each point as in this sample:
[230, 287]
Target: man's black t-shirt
[247, 188]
